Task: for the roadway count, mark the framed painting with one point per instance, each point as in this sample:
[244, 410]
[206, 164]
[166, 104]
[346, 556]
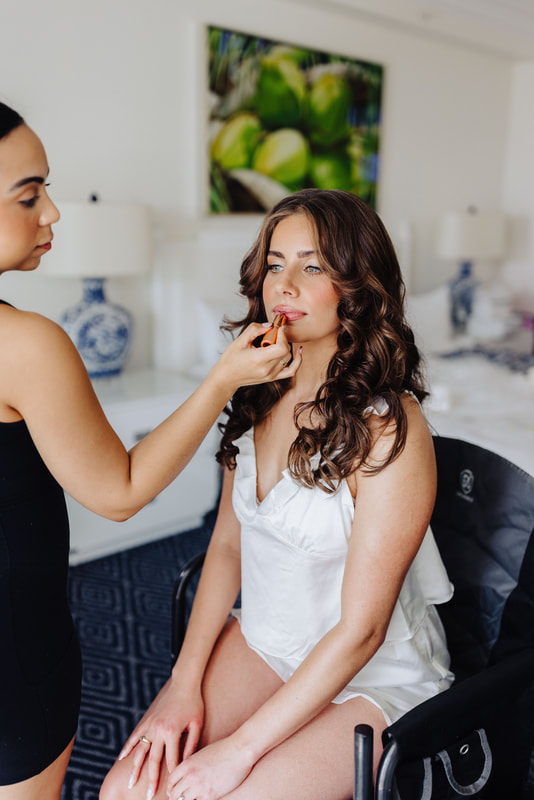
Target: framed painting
[283, 117]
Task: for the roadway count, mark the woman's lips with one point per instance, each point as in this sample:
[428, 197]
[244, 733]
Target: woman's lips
[292, 314]
[46, 246]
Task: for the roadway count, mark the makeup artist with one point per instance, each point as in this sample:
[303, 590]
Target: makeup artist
[54, 436]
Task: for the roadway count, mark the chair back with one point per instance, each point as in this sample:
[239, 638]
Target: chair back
[483, 522]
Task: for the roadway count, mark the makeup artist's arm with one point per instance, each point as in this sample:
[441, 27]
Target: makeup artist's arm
[49, 387]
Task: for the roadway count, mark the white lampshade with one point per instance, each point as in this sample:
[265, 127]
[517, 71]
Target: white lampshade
[99, 240]
[471, 236]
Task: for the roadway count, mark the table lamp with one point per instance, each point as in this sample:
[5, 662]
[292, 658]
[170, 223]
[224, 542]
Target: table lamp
[467, 237]
[94, 241]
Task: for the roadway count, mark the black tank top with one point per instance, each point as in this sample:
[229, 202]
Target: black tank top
[40, 668]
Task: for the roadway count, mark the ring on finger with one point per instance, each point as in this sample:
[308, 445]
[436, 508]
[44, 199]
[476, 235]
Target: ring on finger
[282, 364]
[145, 740]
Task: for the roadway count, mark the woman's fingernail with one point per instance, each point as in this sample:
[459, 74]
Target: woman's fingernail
[150, 794]
[121, 756]
[131, 782]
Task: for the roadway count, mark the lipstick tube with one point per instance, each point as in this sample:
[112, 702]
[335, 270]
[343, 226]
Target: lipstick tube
[272, 334]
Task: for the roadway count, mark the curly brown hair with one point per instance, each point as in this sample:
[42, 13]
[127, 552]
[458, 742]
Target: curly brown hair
[376, 355]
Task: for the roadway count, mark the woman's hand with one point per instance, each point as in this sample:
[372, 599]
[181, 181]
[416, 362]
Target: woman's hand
[242, 364]
[174, 720]
[210, 773]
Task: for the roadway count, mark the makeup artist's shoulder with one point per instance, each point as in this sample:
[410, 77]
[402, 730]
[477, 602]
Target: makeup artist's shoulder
[26, 333]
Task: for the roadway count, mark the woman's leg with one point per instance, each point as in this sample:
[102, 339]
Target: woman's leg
[237, 683]
[318, 760]
[314, 763]
[45, 786]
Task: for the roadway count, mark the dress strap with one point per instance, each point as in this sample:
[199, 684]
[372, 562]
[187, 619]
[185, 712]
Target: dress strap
[380, 407]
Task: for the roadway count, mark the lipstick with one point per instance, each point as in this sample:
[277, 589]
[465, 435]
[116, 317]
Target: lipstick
[272, 334]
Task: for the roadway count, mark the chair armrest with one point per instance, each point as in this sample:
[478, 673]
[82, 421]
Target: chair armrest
[432, 725]
[440, 721]
[179, 603]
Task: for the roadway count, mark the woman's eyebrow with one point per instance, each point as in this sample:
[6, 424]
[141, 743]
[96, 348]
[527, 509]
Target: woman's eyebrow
[300, 253]
[23, 181]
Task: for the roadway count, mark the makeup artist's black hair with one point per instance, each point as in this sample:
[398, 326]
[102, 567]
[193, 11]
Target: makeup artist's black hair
[9, 120]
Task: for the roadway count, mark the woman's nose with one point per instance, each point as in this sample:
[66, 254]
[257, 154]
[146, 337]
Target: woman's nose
[50, 213]
[285, 283]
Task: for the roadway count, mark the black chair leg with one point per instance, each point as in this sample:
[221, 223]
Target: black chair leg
[363, 762]
[179, 604]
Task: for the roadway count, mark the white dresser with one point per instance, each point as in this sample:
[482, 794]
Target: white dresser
[134, 403]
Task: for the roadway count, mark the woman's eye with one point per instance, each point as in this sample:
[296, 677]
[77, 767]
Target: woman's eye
[31, 202]
[274, 267]
[311, 268]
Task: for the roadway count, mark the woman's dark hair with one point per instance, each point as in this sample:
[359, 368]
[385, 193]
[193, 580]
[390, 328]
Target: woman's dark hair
[9, 120]
[376, 355]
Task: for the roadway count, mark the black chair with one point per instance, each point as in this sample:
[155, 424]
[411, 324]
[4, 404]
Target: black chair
[476, 738]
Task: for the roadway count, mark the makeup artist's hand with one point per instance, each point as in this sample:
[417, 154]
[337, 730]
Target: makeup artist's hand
[242, 364]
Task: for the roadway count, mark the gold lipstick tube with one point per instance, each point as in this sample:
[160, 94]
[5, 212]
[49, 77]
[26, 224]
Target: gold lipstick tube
[272, 334]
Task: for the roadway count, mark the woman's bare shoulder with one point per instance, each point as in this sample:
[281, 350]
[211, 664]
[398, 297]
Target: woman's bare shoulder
[19, 319]
[383, 432]
[36, 354]
[27, 332]
[384, 429]
[417, 423]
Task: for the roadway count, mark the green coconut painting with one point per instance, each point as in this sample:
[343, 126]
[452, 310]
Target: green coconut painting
[283, 118]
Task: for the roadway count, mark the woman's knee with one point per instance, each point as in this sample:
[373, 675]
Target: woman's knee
[115, 786]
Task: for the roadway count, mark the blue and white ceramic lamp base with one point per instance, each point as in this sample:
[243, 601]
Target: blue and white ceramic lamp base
[101, 331]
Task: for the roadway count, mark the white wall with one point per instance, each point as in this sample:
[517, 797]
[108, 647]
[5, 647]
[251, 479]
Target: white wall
[518, 194]
[115, 90]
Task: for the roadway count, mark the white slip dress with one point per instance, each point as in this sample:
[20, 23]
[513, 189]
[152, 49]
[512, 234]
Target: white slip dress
[293, 549]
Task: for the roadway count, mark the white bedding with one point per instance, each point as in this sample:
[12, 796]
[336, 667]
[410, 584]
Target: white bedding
[483, 403]
[473, 398]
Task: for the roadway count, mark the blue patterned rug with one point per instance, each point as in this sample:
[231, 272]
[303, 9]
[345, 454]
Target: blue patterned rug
[122, 609]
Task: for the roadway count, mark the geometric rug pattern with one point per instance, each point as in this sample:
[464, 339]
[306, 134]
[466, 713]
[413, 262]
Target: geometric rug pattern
[121, 606]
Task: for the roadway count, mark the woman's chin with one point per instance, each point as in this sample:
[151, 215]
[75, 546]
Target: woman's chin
[30, 264]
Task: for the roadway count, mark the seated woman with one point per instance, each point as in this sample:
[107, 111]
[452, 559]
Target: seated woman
[329, 487]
